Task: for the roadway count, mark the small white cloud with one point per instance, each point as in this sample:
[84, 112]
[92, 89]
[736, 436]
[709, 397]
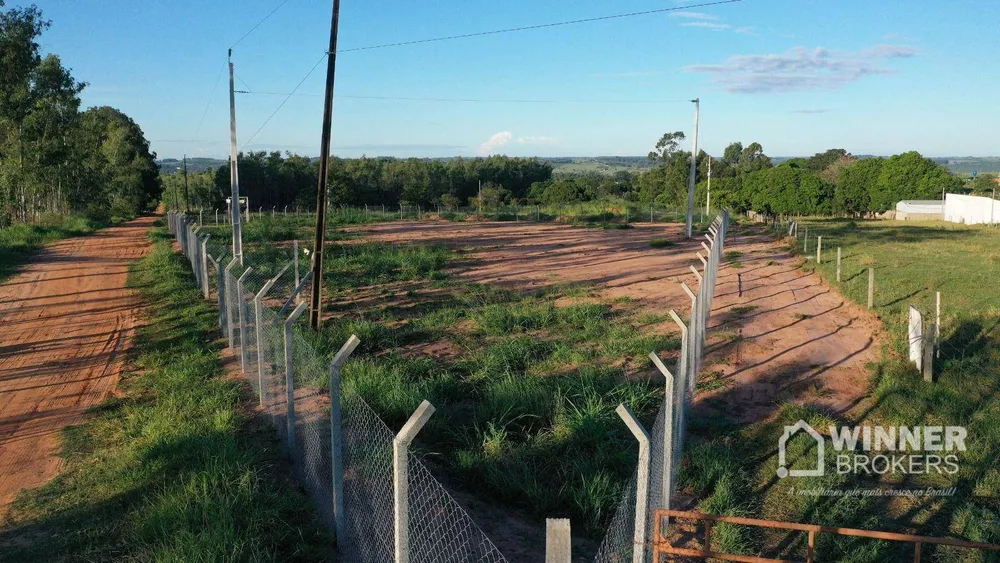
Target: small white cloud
[536, 140]
[714, 26]
[692, 15]
[495, 141]
[802, 69]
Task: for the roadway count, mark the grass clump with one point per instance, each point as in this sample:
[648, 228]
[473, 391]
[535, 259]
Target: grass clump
[172, 464]
[661, 243]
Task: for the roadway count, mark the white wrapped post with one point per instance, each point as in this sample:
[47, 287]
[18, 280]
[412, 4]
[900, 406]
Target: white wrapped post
[916, 337]
[838, 264]
[819, 250]
[337, 440]
[290, 378]
[558, 541]
[641, 482]
[400, 479]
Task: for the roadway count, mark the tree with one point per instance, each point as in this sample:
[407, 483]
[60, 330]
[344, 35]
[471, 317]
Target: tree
[984, 184]
[666, 147]
[855, 184]
[910, 176]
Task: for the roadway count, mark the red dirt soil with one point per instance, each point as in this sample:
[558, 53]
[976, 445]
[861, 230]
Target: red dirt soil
[67, 317]
[801, 341]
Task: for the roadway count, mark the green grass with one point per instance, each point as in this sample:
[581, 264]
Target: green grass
[661, 243]
[171, 469]
[20, 241]
[912, 262]
[525, 402]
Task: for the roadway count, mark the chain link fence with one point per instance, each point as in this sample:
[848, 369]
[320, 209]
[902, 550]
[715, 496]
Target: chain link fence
[296, 387]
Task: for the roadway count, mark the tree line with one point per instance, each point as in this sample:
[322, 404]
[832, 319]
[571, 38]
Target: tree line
[55, 158]
[275, 180]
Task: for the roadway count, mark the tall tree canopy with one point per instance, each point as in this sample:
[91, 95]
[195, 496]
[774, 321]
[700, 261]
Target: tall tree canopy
[52, 157]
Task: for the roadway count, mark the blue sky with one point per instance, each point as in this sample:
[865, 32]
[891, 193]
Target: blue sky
[798, 76]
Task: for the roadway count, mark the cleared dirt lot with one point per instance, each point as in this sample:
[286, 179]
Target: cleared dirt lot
[65, 321]
[790, 337]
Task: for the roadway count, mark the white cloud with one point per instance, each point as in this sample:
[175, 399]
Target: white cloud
[692, 15]
[536, 140]
[495, 141]
[714, 26]
[801, 69]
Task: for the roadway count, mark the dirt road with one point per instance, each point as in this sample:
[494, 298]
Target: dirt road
[65, 320]
[785, 337]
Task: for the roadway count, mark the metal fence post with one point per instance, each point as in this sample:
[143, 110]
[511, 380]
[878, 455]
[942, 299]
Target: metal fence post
[241, 307]
[290, 377]
[641, 483]
[337, 439]
[558, 541]
[400, 479]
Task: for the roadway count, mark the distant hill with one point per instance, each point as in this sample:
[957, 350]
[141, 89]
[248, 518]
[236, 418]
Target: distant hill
[969, 164]
[597, 164]
[170, 166]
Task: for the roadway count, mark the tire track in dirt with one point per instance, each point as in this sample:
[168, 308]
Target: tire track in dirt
[787, 337]
[65, 320]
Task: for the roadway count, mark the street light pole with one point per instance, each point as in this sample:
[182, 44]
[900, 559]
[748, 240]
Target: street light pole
[694, 166]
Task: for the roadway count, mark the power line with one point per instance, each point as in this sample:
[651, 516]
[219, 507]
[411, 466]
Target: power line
[469, 100]
[254, 28]
[243, 82]
[210, 96]
[538, 26]
[283, 102]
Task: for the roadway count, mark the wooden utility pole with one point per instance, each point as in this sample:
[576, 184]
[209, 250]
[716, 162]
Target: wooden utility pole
[234, 176]
[187, 198]
[324, 166]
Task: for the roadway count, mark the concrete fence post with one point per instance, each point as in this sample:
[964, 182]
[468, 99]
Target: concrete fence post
[205, 286]
[667, 479]
[871, 288]
[258, 304]
[641, 483]
[290, 378]
[337, 440]
[704, 262]
[241, 307]
[838, 264]
[558, 541]
[819, 250]
[400, 479]
[805, 243]
[230, 328]
[294, 297]
[220, 281]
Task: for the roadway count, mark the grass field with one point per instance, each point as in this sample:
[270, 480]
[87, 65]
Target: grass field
[525, 383]
[19, 242]
[171, 469]
[733, 471]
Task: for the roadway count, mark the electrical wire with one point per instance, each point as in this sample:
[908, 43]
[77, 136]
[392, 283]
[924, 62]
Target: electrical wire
[210, 96]
[537, 26]
[283, 102]
[254, 28]
[467, 100]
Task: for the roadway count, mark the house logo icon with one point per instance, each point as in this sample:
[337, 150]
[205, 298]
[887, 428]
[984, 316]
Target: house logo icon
[790, 431]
